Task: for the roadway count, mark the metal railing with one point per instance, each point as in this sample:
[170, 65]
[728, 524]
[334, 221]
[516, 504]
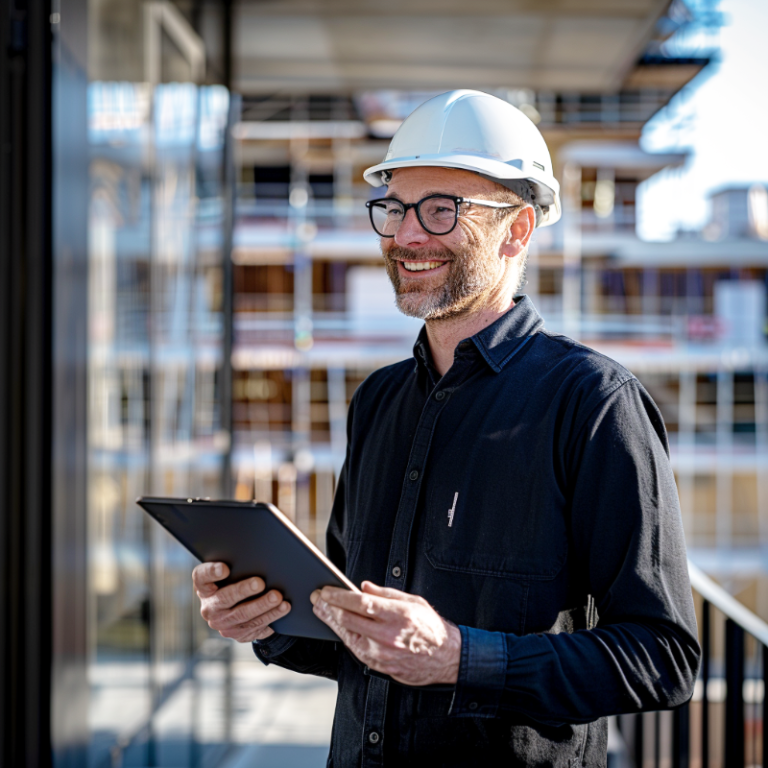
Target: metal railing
[722, 725]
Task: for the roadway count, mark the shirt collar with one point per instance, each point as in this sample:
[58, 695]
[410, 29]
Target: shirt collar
[423, 356]
[500, 341]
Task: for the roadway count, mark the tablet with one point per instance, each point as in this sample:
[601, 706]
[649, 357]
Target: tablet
[254, 539]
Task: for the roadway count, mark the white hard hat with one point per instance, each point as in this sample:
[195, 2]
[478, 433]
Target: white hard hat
[476, 132]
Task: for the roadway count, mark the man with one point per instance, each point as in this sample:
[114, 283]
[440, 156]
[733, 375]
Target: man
[506, 501]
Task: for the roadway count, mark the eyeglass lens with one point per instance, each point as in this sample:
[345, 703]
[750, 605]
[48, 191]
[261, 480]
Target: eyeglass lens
[436, 214]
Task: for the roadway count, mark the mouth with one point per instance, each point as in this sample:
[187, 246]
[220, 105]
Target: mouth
[421, 266]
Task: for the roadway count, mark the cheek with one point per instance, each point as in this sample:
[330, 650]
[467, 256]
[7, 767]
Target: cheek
[467, 233]
[478, 234]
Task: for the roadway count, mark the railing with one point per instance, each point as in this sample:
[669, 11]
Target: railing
[722, 725]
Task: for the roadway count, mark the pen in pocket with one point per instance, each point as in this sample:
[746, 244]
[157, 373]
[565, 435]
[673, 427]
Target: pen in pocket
[452, 510]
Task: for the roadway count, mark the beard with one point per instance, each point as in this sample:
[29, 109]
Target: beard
[472, 275]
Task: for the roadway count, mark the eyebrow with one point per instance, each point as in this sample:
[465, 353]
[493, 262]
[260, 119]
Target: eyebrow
[427, 194]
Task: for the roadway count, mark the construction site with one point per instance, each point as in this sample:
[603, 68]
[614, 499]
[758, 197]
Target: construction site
[235, 297]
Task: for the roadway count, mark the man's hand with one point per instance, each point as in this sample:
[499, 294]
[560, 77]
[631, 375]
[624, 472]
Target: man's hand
[219, 606]
[392, 632]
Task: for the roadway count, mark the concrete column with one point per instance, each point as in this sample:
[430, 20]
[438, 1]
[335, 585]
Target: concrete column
[286, 490]
[302, 456]
[724, 468]
[300, 225]
[686, 453]
[337, 415]
[343, 177]
[651, 304]
[323, 504]
[262, 471]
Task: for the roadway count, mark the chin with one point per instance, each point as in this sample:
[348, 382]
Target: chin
[412, 309]
[424, 307]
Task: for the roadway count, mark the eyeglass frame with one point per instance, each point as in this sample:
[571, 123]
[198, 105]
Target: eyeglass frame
[458, 201]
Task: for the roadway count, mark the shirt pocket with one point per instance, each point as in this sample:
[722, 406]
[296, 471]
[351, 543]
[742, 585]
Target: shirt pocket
[471, 528]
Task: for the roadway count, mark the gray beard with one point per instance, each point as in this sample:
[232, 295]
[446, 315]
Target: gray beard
[467, 285]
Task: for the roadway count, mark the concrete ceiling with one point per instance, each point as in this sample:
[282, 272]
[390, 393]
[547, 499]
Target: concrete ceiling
[342, 46]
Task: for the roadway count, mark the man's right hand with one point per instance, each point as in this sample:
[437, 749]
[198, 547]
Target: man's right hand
[219, 605]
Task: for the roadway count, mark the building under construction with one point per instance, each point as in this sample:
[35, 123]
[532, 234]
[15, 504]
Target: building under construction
[185, 210]
[314, 313]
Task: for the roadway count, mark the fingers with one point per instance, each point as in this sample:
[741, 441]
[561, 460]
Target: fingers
[257, 627]
[392, 632]
[362, 603]
[205, 576]
[232, 610]
[389, 592]
[323, 611]
[375, 589]
[236, 600]
[250, 611]
[389, 629]
[232, 594]
[353, 622]
[247, 621]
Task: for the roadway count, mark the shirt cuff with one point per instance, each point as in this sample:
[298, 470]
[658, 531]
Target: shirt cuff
[482, 673]
[272, 646]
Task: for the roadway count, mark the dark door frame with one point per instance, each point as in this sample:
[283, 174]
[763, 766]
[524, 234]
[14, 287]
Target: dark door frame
[25, 373]
[43, 283]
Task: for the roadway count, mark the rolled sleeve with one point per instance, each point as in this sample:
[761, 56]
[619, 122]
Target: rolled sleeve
[273, 646]
[482, 673]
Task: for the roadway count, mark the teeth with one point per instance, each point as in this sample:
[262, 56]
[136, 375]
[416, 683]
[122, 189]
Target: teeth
[420, 266]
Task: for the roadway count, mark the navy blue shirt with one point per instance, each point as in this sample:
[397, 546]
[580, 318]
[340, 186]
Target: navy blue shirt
[528, 496]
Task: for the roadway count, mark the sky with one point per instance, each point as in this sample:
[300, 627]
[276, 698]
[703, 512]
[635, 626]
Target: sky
[721, 119]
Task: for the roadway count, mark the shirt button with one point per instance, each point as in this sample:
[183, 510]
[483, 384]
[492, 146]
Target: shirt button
[473, 705]
[396, 571]
[465, 344]
[264, 651]
[373, 737]
[440, 395]
[414, 474]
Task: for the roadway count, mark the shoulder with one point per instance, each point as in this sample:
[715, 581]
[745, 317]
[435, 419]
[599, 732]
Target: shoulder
[587, 379]
[580, 366]
[597, 388]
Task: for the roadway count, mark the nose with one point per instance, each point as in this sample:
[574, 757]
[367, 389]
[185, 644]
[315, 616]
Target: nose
[410, 231]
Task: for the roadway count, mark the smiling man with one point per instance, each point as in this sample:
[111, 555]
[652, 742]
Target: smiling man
[506, 501]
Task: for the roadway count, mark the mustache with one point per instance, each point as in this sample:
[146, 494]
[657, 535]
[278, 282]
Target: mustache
[398, 253]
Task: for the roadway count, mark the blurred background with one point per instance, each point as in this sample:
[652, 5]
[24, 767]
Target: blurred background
[192, 292]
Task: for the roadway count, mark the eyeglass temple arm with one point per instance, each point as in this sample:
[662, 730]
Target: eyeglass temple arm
[487, 203]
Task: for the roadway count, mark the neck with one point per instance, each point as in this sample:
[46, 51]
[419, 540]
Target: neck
[445, 334]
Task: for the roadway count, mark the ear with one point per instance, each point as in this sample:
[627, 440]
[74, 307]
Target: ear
[519, 235]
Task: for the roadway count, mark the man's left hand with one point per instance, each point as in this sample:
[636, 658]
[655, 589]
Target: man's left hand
[392, 632]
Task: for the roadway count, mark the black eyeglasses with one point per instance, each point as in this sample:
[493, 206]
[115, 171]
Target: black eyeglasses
[437, 214]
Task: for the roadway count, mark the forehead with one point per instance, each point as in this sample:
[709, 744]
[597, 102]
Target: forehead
[424, 180]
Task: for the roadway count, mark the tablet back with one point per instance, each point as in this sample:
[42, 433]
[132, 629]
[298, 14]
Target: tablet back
[254, 539]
